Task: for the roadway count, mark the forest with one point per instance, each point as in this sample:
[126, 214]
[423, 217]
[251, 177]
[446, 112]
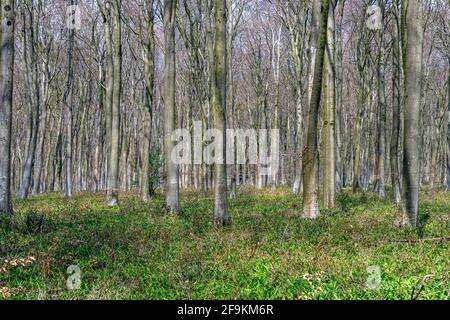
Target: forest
[224, 149]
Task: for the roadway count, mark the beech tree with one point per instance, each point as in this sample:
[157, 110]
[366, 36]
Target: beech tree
[382, 106]
[30, 13]
[148, 43]
[413, 78]
[310, 172]
[171, 171]
[68, 114]
[396, 102]
[113, 168]
[219, 106]
[7, 25]
[329, 116]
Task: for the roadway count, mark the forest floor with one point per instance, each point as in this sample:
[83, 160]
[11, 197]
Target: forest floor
[270, 252]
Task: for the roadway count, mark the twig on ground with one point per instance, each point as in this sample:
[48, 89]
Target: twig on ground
[442, 239]
[422, 286]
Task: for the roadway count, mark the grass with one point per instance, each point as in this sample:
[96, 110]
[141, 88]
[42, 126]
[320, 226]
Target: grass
[270, 252]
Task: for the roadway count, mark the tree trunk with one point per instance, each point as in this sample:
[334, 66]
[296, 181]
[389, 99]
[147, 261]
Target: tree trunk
[362, 54]
[7, 24]
[171, 168]
[219, 107]
[413, 75]
[34, 100]
[43, 133]
[112, 196]
[106, 14]
[149, 74]
[382, 109]
[340, 181]
[329, 144]
[310, 174]
[68, 103]
[397, 98]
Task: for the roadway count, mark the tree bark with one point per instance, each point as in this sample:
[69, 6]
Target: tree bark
[68, 104]
[413, 75]
[219, 107]
[7, 24]
[112, 196]
[43, 132]
[31, 66]
[310, 174]
[149, 74]
[171, 168]
[382, 109]
[340, 178]
[329, 108]
[105, 9]
[397, 100]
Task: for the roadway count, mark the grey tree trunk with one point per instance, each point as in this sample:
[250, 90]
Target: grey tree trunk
[149, 74]
[297, 41]
[312, 64]
[397, 100]
[339, 55]
[362, 59]
[329, 108]
[106, 15]
[171, 168]
[219, 107]
[112, 195]
[310, 173]
[297, 185]
[382, 109]
[31, 66]
[231, 99]
[68, 103]
[43, 133]
[232, 32]
[7, 24]
[413, 75]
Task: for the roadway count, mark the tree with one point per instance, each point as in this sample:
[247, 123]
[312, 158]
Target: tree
[310, 172]
[340, 178]
[7, 20]
[219, 107]
[413, 75]
[232, 32]
[382, 107]
[68, 103]
[362, 58]
[149, 74]
[397, 100]
[329, 121]
[30, 58]
[294, 17]
[105, 9]
[171, 168]
[112, 196]
[48, 74]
